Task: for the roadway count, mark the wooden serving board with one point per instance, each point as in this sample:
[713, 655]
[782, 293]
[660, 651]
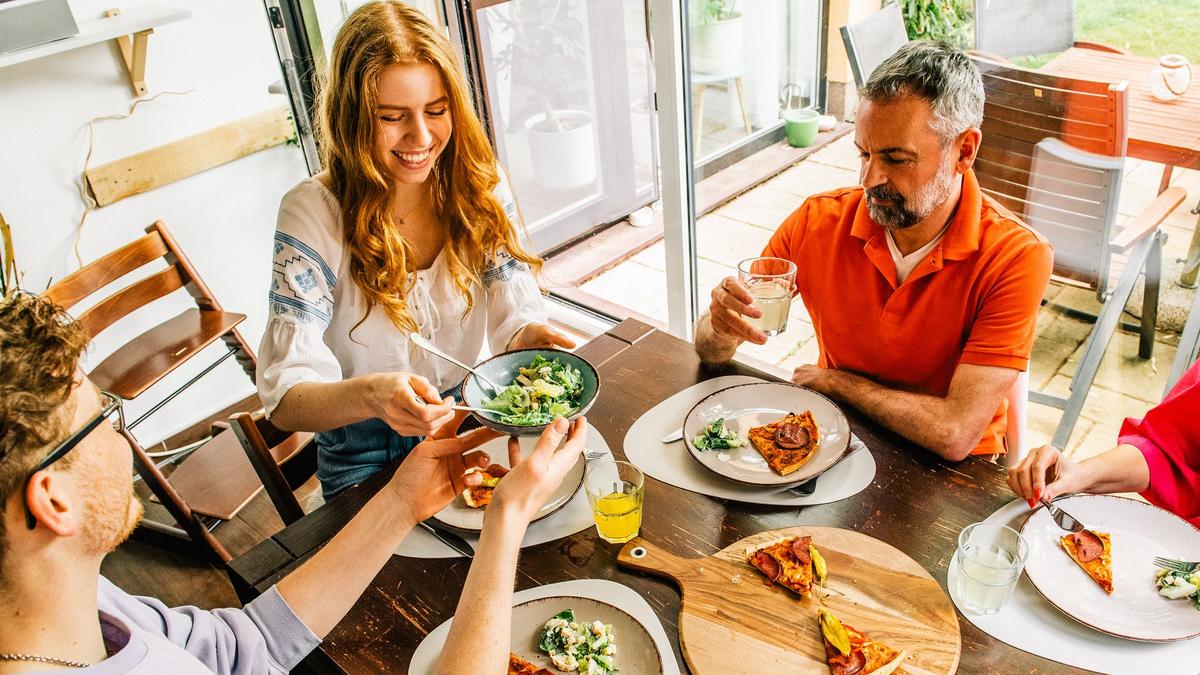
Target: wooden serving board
[731, 621]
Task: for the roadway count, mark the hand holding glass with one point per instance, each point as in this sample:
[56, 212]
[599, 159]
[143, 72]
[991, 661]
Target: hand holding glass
[771, 282]
[614, 490]
[990, 559]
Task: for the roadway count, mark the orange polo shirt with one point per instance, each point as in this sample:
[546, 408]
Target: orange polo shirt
[973, 299]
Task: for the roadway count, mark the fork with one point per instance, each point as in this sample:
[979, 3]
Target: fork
[1181, 566]
[1063, 519]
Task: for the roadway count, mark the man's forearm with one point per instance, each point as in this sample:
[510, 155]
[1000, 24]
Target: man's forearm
[710, 347]
[323, 589]
[926, 420]
[480, 635]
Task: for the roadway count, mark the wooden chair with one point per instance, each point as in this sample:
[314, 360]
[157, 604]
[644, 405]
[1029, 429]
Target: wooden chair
[870, 41]
[1014, 28]
[1053, 152]
[134, 367]
[283, 460]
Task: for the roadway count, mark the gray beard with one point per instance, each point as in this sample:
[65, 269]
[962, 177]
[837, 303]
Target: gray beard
[900, 214]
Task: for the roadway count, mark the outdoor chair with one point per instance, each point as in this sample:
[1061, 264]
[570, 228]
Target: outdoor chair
[283, 460]
[146, 359]
[1053, 151]
[1189, 346]
[1015, 28]
[870, 41]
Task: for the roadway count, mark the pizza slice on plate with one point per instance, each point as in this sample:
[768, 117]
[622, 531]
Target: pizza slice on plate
[1093, 552]
[792, 562]
[848, 651]
[519, 666]
[479, 496]
[787, 444]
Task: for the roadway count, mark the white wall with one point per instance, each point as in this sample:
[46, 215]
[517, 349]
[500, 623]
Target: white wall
[224, 218]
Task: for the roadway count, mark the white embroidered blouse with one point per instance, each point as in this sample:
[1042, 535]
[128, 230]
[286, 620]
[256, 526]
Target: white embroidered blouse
[314, 304]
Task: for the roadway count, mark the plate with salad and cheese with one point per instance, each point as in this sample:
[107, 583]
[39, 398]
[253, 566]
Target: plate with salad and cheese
[536, 385]
[465, 512]
[563, 634]
[766, 433]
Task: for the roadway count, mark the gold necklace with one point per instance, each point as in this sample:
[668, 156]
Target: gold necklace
[44, 659]
[416, 206]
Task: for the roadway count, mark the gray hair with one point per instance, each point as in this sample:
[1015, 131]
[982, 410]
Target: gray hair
[938, 73]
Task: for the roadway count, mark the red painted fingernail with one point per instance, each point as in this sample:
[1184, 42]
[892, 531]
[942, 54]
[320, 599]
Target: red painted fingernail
[1037, 495]
[1030, 503]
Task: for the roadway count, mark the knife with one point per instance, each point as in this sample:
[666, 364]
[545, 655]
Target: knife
[449, 538]
[1063, 519]
[676, 435]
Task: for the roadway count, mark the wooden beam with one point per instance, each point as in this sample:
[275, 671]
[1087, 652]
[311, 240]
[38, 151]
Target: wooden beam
[185, 157]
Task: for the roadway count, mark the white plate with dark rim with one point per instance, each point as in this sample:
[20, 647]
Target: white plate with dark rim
[1139, 531]
[458, 516]
[636, 652]
[751, 405]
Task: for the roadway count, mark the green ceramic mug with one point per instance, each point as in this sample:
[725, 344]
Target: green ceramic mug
[801, 127]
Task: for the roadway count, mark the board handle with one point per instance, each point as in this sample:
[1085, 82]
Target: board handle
[643, 556]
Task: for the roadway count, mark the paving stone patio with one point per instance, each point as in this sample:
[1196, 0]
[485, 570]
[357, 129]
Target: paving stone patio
[1126, 385]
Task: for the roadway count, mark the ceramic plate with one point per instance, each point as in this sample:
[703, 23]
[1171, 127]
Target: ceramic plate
[636, 652]
[751, 405]
[457, 515]
[1140, 532]
[504, 368]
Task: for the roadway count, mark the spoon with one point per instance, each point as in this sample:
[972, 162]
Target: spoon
[420, 341]
[476, 410]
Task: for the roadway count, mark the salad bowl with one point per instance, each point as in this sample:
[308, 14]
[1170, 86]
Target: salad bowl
[510, 406]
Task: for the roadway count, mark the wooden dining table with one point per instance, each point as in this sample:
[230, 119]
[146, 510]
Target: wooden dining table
[1167, 132]
[916, 502]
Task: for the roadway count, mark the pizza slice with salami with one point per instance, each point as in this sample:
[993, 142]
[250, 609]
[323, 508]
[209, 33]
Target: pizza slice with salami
[479, 496]
[787, 444]
[791, 562]
[1092, 551]
[851, 652]
[519, 666]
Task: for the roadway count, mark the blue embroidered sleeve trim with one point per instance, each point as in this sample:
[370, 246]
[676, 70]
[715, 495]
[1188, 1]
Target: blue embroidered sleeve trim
[503, 272]
[307, 250]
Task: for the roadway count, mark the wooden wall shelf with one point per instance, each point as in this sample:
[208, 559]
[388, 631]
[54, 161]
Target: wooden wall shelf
[131, 30]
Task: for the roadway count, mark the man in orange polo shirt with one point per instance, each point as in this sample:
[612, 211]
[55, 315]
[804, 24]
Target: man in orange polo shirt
[923, 292]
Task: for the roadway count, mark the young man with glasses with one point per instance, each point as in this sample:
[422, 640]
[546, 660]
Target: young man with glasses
[67, 496]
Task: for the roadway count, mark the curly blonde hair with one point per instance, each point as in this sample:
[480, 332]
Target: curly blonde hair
[40, 346]
[375, 36]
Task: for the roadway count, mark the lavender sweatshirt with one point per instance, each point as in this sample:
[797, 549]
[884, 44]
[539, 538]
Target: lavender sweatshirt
[145, 636]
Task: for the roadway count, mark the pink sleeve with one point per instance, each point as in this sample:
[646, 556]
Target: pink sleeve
[1169, 439]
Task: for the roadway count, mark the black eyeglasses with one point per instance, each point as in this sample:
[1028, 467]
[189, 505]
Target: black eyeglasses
[111, 410]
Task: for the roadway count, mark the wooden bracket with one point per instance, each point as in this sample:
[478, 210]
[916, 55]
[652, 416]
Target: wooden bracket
[133, 55]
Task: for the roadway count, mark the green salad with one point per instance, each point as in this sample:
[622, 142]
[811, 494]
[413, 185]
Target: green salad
[1179, 585]
[587, 647]
[717, 436]
[543, 390]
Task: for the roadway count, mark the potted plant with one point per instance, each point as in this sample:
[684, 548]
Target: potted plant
[545, 64]
[716, 35]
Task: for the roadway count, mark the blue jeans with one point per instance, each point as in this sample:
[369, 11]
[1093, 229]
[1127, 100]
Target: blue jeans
[349, 455]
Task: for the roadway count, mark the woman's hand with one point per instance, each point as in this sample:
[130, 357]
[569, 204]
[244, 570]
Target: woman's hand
[1046, 473]
[434, 472]
[540, 336]
[408, 403]
[533, 479]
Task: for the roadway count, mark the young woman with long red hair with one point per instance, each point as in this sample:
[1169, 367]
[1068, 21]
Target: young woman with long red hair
[411, 227]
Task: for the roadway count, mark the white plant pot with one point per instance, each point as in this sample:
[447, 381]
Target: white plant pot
[717, 46]
[563, 159]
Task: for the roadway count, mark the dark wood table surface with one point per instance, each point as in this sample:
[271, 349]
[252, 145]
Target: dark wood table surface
[917, 503]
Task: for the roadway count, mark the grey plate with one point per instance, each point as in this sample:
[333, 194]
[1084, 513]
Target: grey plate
[750, 405]
[503, 369]
[458, 516]
[636, 651]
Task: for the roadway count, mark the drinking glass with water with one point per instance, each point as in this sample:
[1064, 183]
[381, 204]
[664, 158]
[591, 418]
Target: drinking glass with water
[771, 282]
[990, 559]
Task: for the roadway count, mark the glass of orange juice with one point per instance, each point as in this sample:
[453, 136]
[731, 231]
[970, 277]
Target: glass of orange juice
[614, 490]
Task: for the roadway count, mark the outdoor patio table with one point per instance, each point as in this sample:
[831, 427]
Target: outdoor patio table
[1167, 132]
[916, 503]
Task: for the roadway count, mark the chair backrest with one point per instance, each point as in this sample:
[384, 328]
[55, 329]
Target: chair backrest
[1189, 347]
[870, 41]
[283, 460]
[155, 244]
[1012, 28]
[1076, 130]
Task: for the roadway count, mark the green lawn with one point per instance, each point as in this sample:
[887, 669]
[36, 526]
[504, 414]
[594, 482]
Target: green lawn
[1145, 27]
